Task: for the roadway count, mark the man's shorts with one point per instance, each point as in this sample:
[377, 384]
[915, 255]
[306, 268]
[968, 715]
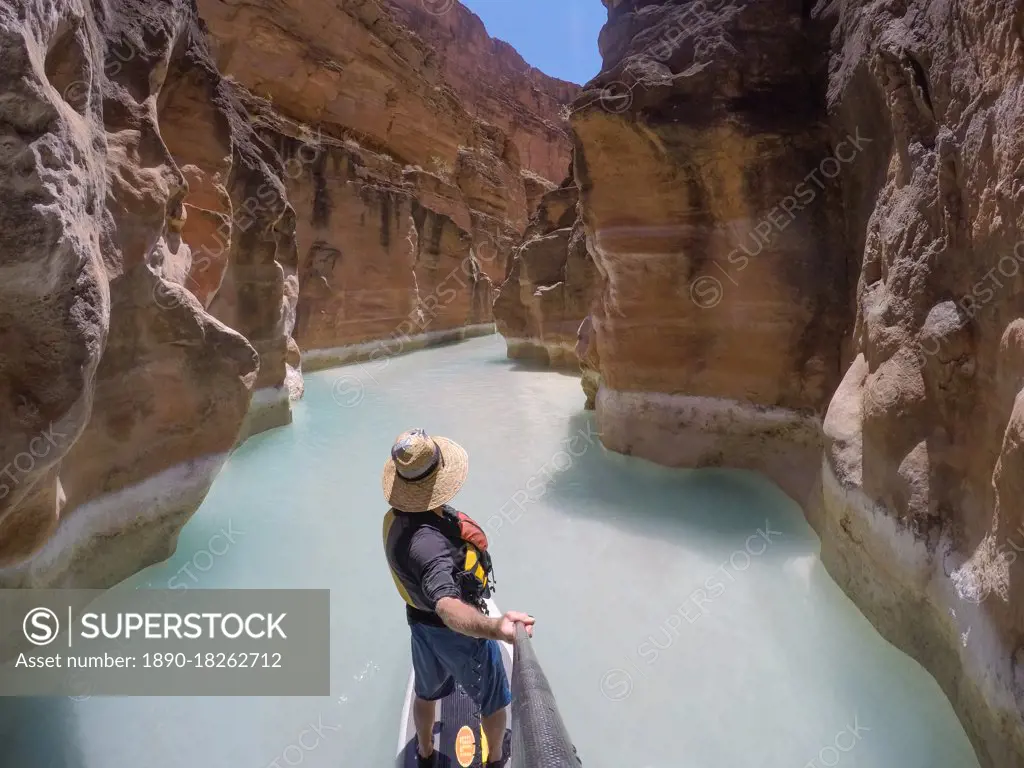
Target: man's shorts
[441, 657]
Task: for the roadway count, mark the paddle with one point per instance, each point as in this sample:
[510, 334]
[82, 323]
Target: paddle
[539, 737]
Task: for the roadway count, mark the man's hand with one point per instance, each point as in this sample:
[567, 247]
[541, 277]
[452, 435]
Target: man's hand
[507, 625]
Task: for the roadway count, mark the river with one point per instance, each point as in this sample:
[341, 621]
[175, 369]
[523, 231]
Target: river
[683, 617]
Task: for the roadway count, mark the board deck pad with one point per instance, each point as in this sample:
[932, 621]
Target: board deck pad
[458, 736]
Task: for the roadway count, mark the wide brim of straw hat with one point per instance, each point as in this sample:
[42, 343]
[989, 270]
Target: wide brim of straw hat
[430, 492]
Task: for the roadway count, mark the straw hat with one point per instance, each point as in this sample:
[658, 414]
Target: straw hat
[423, 472]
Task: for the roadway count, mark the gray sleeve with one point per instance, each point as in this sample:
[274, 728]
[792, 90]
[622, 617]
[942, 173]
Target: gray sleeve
[430, 561]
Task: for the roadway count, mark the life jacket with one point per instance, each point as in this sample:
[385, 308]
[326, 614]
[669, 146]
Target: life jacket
[474, 571]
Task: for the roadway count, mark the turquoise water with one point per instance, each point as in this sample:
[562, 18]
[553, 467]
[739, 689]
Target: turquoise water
[683, 617]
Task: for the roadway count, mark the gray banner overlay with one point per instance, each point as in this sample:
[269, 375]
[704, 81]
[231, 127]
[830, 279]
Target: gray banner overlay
[165, 642]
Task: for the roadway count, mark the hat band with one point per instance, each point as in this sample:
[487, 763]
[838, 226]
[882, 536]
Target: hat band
[434, 462]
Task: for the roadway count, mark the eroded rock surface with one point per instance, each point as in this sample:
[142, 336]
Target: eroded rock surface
[172, 240]
[120, 394]
[436, 140]
[550, 284]
[816, 274]
[721, 277]
[495, 84]
[923, 463]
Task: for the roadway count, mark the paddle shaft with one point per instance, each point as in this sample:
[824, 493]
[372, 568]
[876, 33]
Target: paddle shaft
[539, 736]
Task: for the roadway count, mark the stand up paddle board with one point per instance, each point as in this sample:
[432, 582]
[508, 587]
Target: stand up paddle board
[458, 737]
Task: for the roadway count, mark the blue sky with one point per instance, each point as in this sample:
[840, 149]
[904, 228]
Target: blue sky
[559, 37]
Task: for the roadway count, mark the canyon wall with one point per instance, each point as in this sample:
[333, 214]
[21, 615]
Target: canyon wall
[817, 276]
[923, 468]
[550, 284]
[188, 204]
[723, 284]
[495, 84]
[435, 140]
[121, 392]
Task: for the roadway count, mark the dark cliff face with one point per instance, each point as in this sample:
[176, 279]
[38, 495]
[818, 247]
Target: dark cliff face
[818, 208]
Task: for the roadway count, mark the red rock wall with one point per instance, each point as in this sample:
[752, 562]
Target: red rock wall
[377, 262]
[120, 394]
[926, 427]
[817, 275]
[551, 283]
[168, 235]
[423, 186]
[711, 287]
[495, 84]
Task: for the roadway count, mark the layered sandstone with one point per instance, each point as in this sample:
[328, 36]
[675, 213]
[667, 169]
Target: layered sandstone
[536, 187]
[381, 258]
[406, 220]
[495, 84]
[171, 238]
[713, 287]
[121, 392]
[817, 276]
[550, 284]
[721, 297]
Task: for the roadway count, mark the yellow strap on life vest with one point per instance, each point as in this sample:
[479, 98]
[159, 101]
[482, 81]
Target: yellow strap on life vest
[472, 562]
[389, 520]
[473, 565]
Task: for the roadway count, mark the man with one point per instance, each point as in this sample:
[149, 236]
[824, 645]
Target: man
[453, 640]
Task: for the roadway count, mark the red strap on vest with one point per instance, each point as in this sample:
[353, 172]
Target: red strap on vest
[471, 531]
